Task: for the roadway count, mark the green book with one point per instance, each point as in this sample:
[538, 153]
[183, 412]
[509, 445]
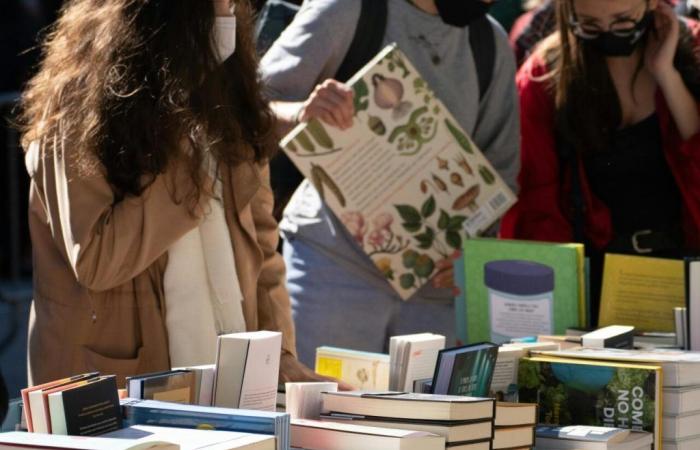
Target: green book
[519, 288]
[593, 393]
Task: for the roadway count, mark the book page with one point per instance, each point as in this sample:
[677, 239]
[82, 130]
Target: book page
[694, 304]
[405, 179]
[641, 292]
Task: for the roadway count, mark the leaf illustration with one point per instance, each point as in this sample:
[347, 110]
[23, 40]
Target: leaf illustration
[456, 223]
[444, 220]
[454, 239]
[361, 94]
[409, 214]
[428, 207]
[412, 227]
[426, 239]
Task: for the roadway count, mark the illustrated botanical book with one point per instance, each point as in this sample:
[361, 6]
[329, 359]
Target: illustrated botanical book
[641, 292]
[596, 393]
[522, 288]
[405, 180]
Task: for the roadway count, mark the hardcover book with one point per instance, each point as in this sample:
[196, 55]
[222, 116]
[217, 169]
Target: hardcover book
[87, 408]
[596, 393]
[641, 292]
[517, 289]
[465, 370]
[406, 181]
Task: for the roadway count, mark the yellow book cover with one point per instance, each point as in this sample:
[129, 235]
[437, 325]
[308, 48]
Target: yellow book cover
[363, 370]
[641, 292]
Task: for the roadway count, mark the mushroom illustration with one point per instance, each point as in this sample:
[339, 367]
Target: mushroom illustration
[468, 199]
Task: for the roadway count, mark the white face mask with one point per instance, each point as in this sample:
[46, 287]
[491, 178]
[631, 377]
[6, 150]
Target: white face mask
[225, 37]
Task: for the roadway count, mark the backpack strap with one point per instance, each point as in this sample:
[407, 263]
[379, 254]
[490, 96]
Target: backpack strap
[483, 45]
[368, 38]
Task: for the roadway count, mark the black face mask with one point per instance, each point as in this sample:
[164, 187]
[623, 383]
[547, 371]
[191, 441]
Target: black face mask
[460, 13]
[612, 45]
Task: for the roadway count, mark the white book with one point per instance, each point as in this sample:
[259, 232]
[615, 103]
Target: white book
[303, 400]
[681, 427]
[413, 357]
[678, 401]
[505, 372]
[204, 382]
[317, 435]
[693, 303]
[191, 439]
[362, 370]
[596, 438]
[247, 370]
[683, 444]
[19, 440]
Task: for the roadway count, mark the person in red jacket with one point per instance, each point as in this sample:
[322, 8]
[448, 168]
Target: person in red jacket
[610, 133]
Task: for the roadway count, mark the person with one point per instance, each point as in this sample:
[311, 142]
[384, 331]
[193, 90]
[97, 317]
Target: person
[146, 139]
[338, 296]
[610, 133]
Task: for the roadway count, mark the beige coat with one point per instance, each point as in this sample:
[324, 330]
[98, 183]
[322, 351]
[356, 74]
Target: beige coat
[98, 266]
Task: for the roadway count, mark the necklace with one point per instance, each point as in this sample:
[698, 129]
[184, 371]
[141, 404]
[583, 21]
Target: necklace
[431, 46]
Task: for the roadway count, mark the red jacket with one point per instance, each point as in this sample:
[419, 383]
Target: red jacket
[540, 213]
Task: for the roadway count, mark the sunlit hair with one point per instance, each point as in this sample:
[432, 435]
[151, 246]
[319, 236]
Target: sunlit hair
[588, 111]
[130, 81]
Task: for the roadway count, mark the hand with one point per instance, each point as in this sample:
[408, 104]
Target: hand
[662, 42]
[293, 370]
[331, 102]
[222, 8]
[445, 277]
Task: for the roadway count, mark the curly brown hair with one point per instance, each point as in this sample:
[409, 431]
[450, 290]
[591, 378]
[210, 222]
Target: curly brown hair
[128, 81]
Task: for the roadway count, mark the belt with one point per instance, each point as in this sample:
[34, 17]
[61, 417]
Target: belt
[646, 241]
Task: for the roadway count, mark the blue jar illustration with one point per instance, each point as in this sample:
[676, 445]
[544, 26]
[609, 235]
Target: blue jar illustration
[521, 299]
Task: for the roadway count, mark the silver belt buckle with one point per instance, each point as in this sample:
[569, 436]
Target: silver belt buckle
[635, 242]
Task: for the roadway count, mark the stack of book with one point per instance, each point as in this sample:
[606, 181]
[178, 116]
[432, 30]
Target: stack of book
[464, 423]
[514, 425]
[140, 438]
[318, 435]
[413, 358]
[164, 414]
[591, 438]
[626, 387]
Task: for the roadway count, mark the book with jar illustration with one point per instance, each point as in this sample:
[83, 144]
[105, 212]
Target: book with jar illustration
[517, 289]
[406, 180]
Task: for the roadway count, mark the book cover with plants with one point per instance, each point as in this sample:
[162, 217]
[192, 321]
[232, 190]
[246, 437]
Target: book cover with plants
[521, 288]
[405, 180]
[593, 393]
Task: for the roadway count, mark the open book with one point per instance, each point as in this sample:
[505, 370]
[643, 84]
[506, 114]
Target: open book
[405, 179]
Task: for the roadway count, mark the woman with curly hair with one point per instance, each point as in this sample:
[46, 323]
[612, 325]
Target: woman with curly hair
[147, 141]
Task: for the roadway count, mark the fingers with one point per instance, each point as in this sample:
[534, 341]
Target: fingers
[444, 279]
[331, 102]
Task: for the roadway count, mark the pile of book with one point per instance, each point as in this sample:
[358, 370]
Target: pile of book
[436, 421]
[591, 438]
[657, 391]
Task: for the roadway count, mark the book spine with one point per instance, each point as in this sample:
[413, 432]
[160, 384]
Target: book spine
[186, 419]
